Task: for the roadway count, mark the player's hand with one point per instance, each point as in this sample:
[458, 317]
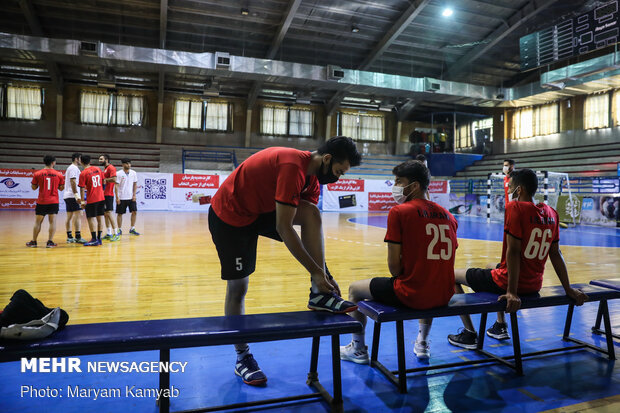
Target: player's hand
[133, 199]
[118, 201]
[335, 286]
[577, 295]
[321, 280]
[513, 302]
[82, 203]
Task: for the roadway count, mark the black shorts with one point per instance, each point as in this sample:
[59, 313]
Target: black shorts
[382, 290]
[122, 207]
[109, 203]
[95, 209]
[72, 205]
[46, 209]
[236, 246]
[481, 280]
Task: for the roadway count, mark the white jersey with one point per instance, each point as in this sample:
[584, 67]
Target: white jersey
[71, 172]
[125, 183]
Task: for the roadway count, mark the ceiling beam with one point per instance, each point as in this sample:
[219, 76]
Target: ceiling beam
[163, 23]
[284, 26]
[407, 109]
[37, 30]
[395, 30]
[515, 21]
[253, 95]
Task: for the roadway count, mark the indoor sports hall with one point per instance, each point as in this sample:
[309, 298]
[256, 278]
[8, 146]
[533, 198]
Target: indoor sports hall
[163, 107]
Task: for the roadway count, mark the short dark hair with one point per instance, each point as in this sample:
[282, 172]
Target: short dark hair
[106, 156]
[86, 159]
[341, 148]
[48, 159]
[414, 171]
[510, 161]
[526, 179]
[420, 157]
[125, 160]
[75, 156]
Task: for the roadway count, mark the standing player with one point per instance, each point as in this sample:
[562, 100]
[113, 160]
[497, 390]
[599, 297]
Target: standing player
[126, 191]
[48, 181]
[509, 166]
[266, 195]
[531, 234]
[71, 197]
[421, 237]
[109, 180]
[91, 178]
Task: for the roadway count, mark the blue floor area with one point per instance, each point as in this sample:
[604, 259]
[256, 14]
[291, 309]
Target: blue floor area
[472, 227]
[550, 381]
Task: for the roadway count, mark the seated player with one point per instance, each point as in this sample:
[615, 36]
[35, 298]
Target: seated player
[421, 237]
[48, 181]
[531, 234]
[266, 195]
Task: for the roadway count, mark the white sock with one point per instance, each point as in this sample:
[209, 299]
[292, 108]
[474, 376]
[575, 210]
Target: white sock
[242, 353]
[110, 231]
[315, 289]
[132, 229]
[359, 342]
[423, 331]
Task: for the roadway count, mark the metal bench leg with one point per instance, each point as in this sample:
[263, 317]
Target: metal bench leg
[608, 335]
[481, 330]
[516, 343]
[164, 381]
[569, 320]
[336, 403]
[314, 360]
[400, 345]
[375, 341]
[599, 317]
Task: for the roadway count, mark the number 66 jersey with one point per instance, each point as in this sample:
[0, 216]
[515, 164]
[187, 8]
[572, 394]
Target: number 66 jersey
[537, 227]
[427, 234]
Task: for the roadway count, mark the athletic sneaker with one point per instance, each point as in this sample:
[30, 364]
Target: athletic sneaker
[330, 302]
[247, 368]
[31, 244]
[464, 339]
[422, 349]
[93, 243]
[349, 353]
[498, 331]
[107, 237]
[80, 240]
[71, 240]
[51, 244]
[120, 232]
[115, 237]
[134, 232]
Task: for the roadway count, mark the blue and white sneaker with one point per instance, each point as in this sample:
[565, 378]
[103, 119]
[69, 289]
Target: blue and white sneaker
[330, 302]
[422, 349]
[248, 370]
[92, 243]
[134, 232]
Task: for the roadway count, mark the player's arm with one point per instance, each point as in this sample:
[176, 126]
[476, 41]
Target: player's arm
[513, 264]
[74, 188]
[135, 191]
[118, 200]
[395, 264]
[284, 225]
[34, 186]
[559, 265]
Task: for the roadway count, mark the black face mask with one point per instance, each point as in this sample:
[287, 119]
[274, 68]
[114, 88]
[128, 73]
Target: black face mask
[326, 178]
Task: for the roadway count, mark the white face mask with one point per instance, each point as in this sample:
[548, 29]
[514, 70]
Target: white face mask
[511, 197]
[505, 169]
[398, 195]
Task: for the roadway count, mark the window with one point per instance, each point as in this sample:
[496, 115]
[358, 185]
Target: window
[202, 115]
[463, 136]
[301, 122]
[1, 101]
[24, 102]
[546, 119]
[522, 123]
[100, 108]
[362, 127]
[274, 121]
[596, 111]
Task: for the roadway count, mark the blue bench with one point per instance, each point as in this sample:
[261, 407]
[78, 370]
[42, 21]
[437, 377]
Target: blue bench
[482, 303]
[163, 335]
[614, 284]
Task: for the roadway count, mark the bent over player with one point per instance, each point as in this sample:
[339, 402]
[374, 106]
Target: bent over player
[266, 195]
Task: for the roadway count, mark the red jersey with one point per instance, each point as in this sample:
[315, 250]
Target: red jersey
[269, 176]
[506, 179]
[110, 171]
[48, 181]
[91, 178]
[537, 226]
[427, 234]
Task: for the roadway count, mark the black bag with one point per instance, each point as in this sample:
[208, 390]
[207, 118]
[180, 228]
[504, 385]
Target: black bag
[24, 308]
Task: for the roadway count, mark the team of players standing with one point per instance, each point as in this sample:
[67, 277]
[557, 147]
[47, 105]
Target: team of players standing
[96, 194]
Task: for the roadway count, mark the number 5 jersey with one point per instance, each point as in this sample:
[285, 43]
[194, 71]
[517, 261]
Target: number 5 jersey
[537, 227]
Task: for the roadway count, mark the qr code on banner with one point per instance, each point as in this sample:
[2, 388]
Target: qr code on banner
[154, 188]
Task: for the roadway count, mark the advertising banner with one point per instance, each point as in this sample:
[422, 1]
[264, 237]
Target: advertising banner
[601, 210]
[569, 209]
[189, 189]
[153, 192]
[15, 189]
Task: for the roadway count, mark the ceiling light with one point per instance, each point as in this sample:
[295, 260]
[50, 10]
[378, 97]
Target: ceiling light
[245, 12]
[447, 12]
[355, 29]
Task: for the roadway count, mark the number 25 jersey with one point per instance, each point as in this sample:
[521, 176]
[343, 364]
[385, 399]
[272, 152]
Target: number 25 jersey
[537, 227]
